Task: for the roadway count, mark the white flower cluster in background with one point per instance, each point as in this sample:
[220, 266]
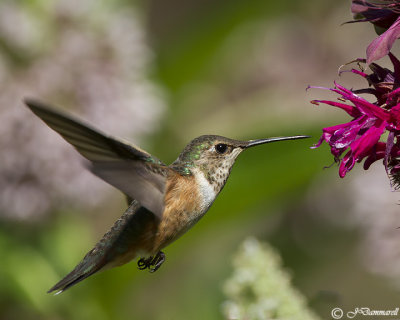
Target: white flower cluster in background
[260, 289]
[87, 56]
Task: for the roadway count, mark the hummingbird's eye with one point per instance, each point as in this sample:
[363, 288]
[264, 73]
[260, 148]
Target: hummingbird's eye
[221, 148]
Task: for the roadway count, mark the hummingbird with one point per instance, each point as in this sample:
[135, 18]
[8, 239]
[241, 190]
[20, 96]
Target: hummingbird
[164, 201]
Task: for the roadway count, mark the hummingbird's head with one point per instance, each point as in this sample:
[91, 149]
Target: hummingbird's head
[215, 155]
[208, 150]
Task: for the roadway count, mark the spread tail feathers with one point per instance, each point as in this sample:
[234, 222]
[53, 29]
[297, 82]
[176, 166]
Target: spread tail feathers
[115, 248]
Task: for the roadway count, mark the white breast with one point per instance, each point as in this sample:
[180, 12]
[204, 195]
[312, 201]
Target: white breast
[206, 190]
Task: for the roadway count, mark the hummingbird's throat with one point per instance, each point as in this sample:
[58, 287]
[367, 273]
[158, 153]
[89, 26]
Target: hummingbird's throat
[217, 171]
[206, 190]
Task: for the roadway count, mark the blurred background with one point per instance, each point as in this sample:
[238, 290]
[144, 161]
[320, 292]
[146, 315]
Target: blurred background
[160, 73]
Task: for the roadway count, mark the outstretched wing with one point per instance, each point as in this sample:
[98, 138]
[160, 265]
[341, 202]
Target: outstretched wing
[133, 171]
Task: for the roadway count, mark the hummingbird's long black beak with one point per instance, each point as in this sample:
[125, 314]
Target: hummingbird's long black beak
[253, 143]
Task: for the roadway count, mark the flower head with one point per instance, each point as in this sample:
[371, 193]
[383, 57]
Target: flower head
[361, 136]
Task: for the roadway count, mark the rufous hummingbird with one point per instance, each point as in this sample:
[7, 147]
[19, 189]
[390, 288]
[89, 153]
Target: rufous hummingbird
[164, 201]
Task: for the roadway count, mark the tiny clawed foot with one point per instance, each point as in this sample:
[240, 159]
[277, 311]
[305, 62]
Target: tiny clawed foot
[152, 263]
[157, 261]
[144, 263]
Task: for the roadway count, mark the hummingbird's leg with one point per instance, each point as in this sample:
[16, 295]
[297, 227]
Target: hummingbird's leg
[152, 263]
[144, 263]
[157, 261]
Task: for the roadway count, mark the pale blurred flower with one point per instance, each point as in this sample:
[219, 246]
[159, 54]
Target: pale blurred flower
[260, 289]
[376, 210]
[366, 204]
[89, 55]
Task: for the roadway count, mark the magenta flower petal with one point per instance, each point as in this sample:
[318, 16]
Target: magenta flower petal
[395, 118]
[360, 138]
[354, 112]
[360, 148]
[341, 136]
[393, 97]
[363, 105]
[378, 152]
[364, 144]
[362, 74]
[381, 45]
[347, 164]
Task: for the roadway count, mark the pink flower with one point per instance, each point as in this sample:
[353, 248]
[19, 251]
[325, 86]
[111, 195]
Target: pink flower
[361, 136]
